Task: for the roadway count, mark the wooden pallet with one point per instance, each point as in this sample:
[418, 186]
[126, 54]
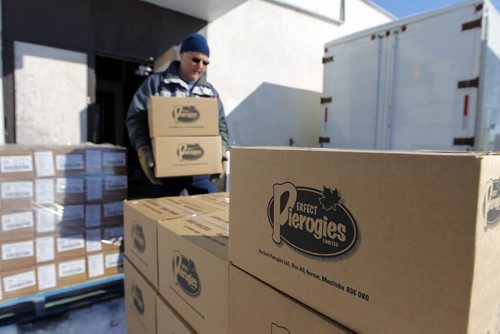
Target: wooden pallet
[52, 302]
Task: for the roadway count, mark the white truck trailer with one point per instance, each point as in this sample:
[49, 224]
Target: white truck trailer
[431, 81]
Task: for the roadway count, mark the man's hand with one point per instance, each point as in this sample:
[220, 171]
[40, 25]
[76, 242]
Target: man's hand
[214, 177]
[147, 163]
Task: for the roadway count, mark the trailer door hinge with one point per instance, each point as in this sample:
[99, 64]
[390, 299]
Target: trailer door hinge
[463, 141]
[326, 100]
[324, 140]
[472, 24]
[327, 59]
[469, 83]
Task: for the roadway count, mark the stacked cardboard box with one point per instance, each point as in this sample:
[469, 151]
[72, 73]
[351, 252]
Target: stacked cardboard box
[61, 211]
[185, 136]
[382, 242]
[176, 264]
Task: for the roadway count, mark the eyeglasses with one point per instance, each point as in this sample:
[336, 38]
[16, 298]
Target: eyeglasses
[197, 61]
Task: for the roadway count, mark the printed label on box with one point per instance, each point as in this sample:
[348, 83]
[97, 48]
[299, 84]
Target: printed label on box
[96, 265]
[45, 249]
[69, 162]
[44, 189]
[93, 215]
[73, 212]
[94, 188]
[70, 268]
[94, 240]
[44, 163]
[113, 209]
[66, 185]
[16, 164]
[45, 220]
[19, 281]
[16, 221]
[115, 182]
[17, 250]
[19, 189]
[70, 243]
[114, 159]
[114, 260]
[47, 277]
[94, 161]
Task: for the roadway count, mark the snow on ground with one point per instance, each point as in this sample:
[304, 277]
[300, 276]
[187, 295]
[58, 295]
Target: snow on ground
[102, 318]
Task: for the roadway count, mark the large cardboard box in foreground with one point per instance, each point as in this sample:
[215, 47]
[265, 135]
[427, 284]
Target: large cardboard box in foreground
[281, 314]
[187, 116]
[382, 242]
[193, 271]
[140, 302]
[181, 156]
[141, 219]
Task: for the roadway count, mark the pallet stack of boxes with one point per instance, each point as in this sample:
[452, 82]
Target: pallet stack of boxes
[185, 136]
[61, 216]
[380, 242]
[176, 264]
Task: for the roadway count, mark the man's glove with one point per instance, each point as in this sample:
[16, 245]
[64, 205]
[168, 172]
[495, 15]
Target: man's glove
[214, 177]
[147, 163]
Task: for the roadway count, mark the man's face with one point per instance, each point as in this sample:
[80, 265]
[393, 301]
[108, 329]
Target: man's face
[193, 64]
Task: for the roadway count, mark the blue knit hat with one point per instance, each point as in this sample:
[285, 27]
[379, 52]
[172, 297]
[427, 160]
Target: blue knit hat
[197, 43]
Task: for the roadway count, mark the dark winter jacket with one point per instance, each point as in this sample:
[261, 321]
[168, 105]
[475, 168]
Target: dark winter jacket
[167, 83]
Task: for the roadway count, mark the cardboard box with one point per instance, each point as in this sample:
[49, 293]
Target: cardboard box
[17, 254]
[104, 264]
[18, 283]
[70, 190]
[168, 320]
[181, 156]
[16, 224]
[382, 242]
[16, 162]
[140, 302]
[69, 160]
[45, 249]
[70, 246]
[186, 116]
[114, 159]
[104, 239]
[281, 314]
[46, 276]
[141, 219]
[187, 204]
[193, 271]
[71, 272]
[219, 201]
[113, 263]
[106, 188]
[17, 194]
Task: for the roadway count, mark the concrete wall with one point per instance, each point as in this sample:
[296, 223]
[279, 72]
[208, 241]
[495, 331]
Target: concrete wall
[266, 64]
[50, 95]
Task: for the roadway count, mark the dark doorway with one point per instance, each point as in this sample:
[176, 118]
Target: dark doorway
[116, 83]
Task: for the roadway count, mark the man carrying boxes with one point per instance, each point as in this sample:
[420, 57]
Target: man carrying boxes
[180, 139]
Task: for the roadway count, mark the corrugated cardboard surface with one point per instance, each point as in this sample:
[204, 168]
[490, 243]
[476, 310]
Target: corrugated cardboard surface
[383, 242]
[186, 116]
[193, 271]
[281, 314]
[140, 302]
[168, 320]
[180, 156]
